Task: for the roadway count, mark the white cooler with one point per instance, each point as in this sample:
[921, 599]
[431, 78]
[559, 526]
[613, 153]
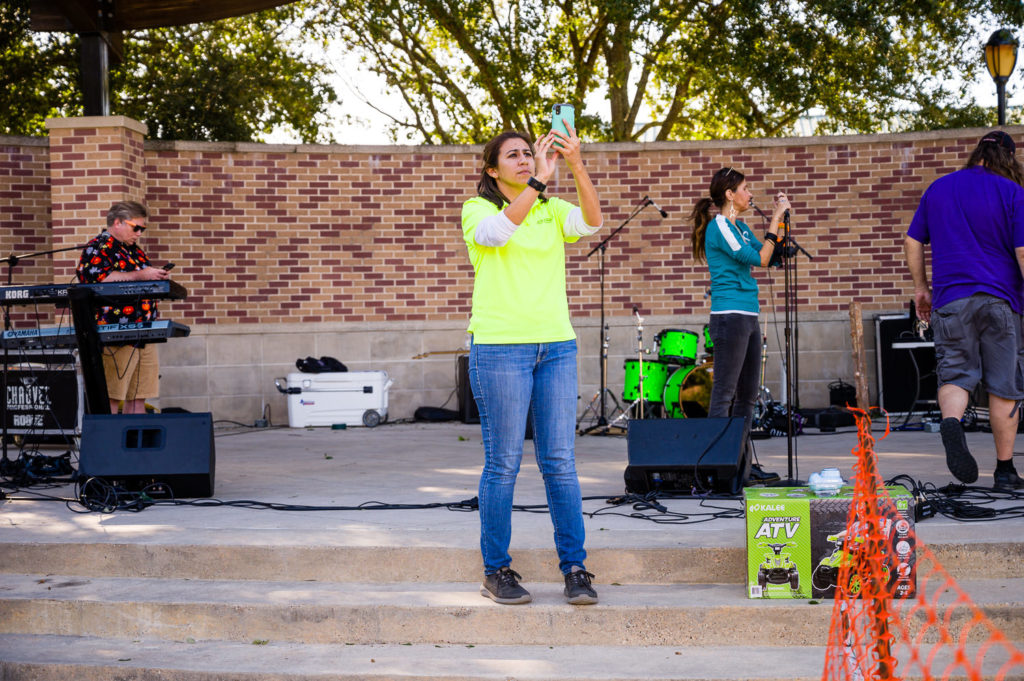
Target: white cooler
[355, 398]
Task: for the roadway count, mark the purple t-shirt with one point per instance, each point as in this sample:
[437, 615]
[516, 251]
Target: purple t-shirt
[974, 219]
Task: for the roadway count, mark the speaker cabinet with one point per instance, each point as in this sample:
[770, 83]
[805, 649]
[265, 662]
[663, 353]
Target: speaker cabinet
[136, 450]
[906, 376]
[686, 455]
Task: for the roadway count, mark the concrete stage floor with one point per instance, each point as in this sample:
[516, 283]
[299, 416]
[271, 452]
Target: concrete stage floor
[417, 463]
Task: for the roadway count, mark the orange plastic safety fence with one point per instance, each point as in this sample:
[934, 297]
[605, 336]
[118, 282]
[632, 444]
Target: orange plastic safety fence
[881, 629]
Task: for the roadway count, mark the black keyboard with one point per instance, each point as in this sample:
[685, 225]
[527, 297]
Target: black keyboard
[112, 290]
[110, 334]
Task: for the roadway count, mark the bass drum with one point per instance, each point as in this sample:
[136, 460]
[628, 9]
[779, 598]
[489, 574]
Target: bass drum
[655, 375]
[688, 392]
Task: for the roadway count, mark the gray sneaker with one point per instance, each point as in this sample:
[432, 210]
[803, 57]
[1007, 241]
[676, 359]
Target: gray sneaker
[503, 587]
[578, 590]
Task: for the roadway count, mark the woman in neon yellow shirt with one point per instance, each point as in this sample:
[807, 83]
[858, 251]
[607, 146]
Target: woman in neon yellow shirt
[522, 363]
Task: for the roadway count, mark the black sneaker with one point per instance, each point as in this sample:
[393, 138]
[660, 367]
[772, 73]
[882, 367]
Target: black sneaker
[577, 588]
[1007, 481]
[958, 458]
[503, 587]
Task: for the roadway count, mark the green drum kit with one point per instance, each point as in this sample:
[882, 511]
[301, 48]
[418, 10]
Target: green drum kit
[675, 385]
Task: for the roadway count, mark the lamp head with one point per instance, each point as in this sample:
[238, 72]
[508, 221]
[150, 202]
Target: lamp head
[1001, 54]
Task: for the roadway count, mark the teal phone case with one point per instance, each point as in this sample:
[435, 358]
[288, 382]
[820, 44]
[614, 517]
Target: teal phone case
[560, 112]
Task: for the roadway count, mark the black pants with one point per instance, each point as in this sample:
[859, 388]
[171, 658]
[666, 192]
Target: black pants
[737, 339]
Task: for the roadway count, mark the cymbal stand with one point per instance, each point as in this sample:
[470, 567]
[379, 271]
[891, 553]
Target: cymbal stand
[640, 372]
[598, 399]
[764, 396]
[602, 425]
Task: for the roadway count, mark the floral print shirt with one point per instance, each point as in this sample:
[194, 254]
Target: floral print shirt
[103, 255]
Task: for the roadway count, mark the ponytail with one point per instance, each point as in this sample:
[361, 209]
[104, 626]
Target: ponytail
[700, 217]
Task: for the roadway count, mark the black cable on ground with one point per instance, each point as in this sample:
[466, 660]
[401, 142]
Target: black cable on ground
[963, 503]
[96, 495]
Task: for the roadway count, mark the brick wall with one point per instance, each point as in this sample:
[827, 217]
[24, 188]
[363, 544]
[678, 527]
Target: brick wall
[357, 252]
[25, 212]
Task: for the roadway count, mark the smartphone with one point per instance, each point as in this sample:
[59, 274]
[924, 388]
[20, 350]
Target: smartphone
[560, 115]
[169, 266]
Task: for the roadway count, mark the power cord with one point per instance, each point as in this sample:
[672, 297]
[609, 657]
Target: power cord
[963, 503]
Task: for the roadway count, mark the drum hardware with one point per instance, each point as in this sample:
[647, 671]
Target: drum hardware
[709, 345]
[602, 425]
[763, 405]
[638, 403]
[597, 402]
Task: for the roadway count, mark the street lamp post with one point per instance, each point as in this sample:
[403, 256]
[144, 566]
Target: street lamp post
[1001, 57]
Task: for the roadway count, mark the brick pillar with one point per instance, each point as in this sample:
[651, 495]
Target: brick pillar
[94, 161]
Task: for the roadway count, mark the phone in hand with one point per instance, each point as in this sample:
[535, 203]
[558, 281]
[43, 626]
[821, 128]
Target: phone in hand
[168, 267]
[561, 114]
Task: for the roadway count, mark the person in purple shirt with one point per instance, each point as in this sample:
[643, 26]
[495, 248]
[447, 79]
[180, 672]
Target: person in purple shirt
[974, 220]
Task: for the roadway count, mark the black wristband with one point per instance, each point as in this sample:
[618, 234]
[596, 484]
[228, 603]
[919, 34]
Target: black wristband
[536, 184]
[774, 238]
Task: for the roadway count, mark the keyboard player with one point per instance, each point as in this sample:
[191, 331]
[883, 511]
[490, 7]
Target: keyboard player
[132, 371]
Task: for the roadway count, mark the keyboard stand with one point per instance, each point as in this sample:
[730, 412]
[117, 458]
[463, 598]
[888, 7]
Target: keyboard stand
[90, 354]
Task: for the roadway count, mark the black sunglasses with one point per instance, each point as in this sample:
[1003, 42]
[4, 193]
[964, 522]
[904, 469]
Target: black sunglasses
[138, 229]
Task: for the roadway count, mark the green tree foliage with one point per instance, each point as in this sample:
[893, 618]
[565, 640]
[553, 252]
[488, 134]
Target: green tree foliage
[38, 74]
[229, 80]
[698, 68]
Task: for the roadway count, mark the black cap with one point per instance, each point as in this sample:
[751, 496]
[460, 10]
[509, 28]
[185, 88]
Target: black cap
[1001, 138]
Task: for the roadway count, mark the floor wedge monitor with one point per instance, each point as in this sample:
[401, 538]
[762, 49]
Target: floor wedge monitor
[136, 450]
[690, 456]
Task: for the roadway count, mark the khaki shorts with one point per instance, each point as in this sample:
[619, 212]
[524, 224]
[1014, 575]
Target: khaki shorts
[132, 373]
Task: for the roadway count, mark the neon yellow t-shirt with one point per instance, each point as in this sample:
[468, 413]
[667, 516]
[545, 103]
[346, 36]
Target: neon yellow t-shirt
[519, 288]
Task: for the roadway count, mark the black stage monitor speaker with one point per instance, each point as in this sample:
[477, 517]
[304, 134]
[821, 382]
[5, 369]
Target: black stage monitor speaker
[687, 455]
[136, 450]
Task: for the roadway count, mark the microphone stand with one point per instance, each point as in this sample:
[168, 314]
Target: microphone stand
[785, 256]
[602, 424]
[12, 262]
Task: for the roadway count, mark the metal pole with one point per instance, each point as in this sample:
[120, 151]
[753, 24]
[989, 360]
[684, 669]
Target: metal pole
[1001, 95]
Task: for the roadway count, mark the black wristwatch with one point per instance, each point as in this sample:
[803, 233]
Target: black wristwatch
[536, 184]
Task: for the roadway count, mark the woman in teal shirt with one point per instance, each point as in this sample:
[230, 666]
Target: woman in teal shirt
[522, 362]
[731, 250]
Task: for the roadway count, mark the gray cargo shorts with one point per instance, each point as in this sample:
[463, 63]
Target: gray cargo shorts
[980, 338]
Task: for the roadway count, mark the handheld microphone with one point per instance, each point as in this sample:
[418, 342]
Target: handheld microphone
[664, 213]
[759, 211]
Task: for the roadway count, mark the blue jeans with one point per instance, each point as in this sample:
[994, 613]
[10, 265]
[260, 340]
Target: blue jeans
[737, 339]
[509, 382]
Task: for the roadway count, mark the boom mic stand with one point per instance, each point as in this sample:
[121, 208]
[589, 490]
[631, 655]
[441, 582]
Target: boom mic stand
[785, 257]
[602, 425]
[12, 262]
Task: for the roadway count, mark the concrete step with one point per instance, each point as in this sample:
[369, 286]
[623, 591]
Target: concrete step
[432, 563]
[60, 658]
[56, 658]
[434, 613]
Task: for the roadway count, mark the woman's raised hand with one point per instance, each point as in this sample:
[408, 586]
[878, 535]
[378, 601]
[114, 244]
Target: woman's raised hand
[781, 204]
[545, 159]
[570, 144]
